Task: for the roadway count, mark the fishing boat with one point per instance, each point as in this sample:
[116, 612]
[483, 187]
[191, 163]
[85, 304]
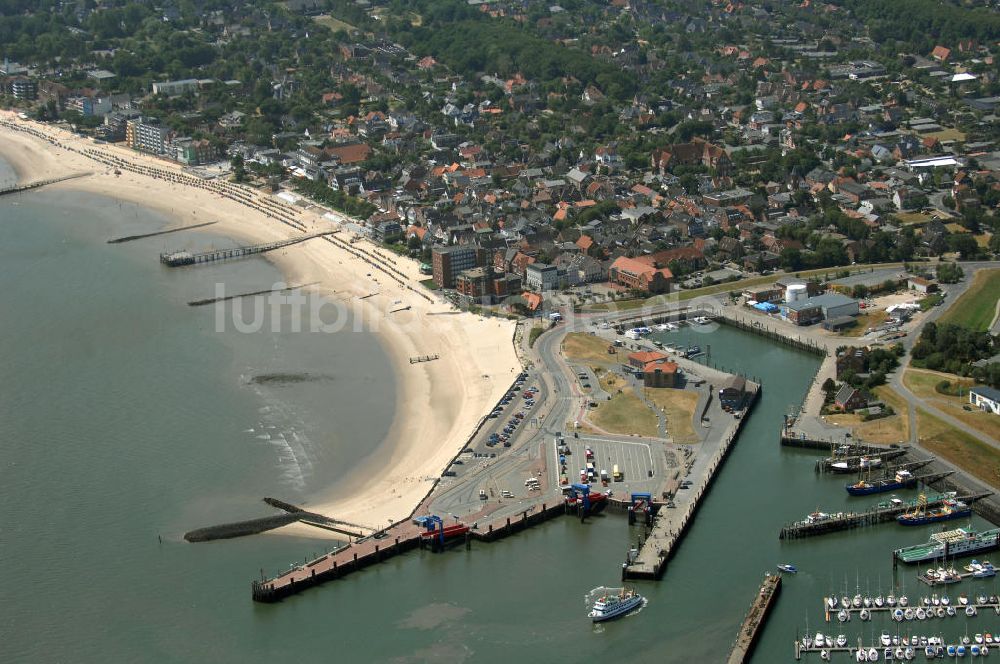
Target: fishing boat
[902, 480]
[615, 605]
[958, 542]
[788, 567]
[920, 515]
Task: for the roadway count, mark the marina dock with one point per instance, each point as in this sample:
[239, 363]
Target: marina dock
[875, 515]
[754, 621]
[854, 463]
[182, 258]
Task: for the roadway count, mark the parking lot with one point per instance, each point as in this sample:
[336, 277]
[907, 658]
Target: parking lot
[634, 459]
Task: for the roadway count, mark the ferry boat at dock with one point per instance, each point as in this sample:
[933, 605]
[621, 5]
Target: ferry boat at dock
[949, 509]
[952, 543]
[612, 606]
[903, 479]
[864, 463]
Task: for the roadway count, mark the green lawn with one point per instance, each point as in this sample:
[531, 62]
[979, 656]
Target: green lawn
[977, 307]
[334, 23]
[968, 453]
[624, 414]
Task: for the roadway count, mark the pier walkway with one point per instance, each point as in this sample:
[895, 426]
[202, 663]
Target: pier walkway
[16, 189]
[754, 621]
[881, 513]
[399, 538]
[181, 258]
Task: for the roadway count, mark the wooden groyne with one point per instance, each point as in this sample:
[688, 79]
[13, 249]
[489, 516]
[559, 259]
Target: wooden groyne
[293, 514]
[266, 291]
[870, 517]
[16, 189]
[182, 258]
[755, 327]
[754, 621]
[665, 536]
[141, 236]
[241, 528]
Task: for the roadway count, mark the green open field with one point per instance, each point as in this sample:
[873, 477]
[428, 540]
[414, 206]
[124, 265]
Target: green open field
[977, 306]
[625, 413]
[333, 23]
[587, 349]
[971, 455]
[679, 407]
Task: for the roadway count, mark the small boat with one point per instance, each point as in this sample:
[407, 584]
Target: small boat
[939, 612]
[978, 638]
[872, 655]
[903, 600]
[960, 650]
[861, 655]
[970, 611]
[897, 614]
[843, 615]
[921, 613]
[929, 652]
[885, 639]
[951, 650]
[890, 600]
[612, 606]
[841, 640]
[950, 610]
[788, 567]
[824, 655]
[975, 650]
[865, 614]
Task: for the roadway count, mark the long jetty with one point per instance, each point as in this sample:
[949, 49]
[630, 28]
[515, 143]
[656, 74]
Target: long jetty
[754, 621]
[399, 538]
[875, 515]
[669, 528]
[28, 186]
[181, 258]
[141, 236]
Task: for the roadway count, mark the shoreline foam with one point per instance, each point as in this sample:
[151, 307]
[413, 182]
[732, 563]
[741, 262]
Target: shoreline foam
[439, 403]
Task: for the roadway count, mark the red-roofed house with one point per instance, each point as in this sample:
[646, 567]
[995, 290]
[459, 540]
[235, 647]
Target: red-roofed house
[940, 53]
[631, 273]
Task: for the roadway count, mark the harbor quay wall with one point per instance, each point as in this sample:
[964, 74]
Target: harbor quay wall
[750, 630]
[773, 334]
[663, 554]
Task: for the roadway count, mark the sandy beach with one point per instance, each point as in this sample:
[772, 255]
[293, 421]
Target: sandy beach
[439, 403]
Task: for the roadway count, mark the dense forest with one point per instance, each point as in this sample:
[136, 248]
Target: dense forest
[952, 349]
[923, 23]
